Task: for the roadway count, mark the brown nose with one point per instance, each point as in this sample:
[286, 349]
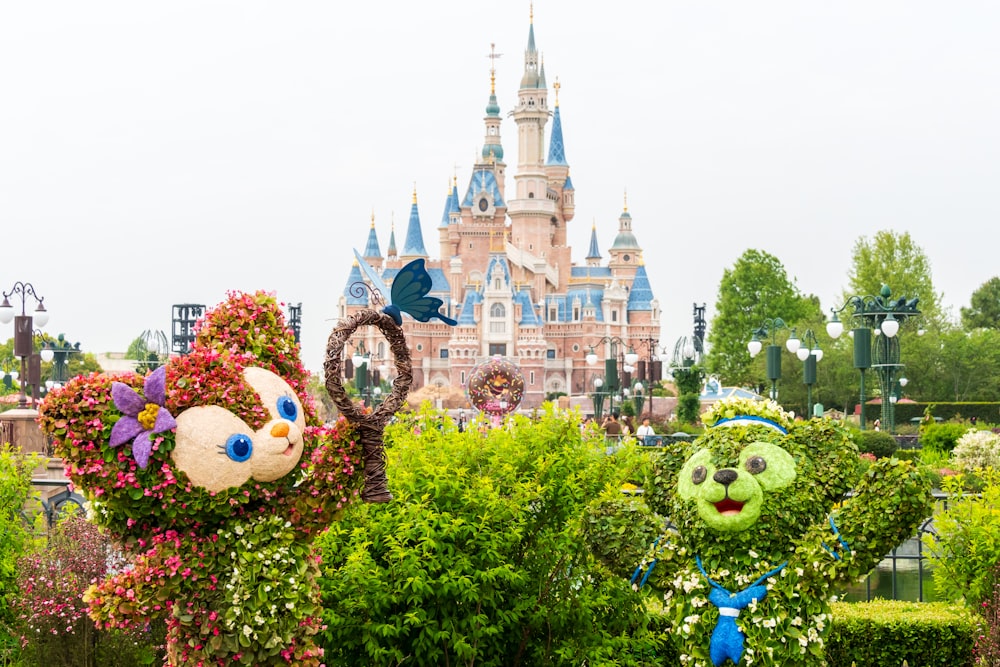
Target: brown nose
[725, 476]
[279, 430]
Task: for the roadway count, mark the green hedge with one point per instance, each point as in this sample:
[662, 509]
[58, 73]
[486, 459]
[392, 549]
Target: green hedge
[879, 443]
[986, 413]
[884, 633]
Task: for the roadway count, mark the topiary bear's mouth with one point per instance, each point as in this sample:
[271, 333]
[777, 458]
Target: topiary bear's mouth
[728, 507]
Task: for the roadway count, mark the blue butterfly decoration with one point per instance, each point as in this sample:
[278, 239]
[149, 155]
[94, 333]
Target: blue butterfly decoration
[408, 294]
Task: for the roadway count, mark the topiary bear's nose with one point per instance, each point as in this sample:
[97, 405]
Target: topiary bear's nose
[725, 476]
[279, 430]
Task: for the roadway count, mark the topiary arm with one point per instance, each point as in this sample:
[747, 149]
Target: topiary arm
[886, 508]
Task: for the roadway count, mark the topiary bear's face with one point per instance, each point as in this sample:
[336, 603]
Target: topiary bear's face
[731, 497]
[218, 450]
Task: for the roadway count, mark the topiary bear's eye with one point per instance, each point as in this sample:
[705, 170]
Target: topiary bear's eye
[756, 465]
[287, 408]
[699, 474]
[239, 447]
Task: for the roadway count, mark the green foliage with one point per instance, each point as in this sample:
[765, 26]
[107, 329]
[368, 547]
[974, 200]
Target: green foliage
[887, 632]
[15, 490]
[688, 382]
[879, 443]
[893, 259]
[478, 559]
[984, 307]
[941, 437]
[967, 545]
[988, 641]
[754, 289]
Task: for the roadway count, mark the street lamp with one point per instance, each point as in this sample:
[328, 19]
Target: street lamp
[883, 314]
[58, 351]
[598, 398]
[649, 372]
[809, 353]
[770, 327]
[24, 326]
[612, 382]
[687, 374]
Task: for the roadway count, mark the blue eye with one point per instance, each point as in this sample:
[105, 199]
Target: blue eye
[287, 408]
[239, 447]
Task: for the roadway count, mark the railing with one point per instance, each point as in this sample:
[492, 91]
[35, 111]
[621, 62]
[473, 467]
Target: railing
[57, 504]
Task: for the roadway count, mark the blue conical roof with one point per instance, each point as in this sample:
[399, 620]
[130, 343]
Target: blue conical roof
[413, 246]
[557, 150]
[447, 209]
[391, 250]
[371, 248]
[594, 252]
[640, 297]
[358, 297]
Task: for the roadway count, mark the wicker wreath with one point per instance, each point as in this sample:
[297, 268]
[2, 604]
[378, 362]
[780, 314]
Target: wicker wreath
[369, 423]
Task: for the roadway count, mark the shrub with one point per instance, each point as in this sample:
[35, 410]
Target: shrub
[977, 449]
[967, 545]
[479, 557]
[15, 490]
[988, 639]
[51, 613]
[887, 632]
[879, 443]
[941, 437]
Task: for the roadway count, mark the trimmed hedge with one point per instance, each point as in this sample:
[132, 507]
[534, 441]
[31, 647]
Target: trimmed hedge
[879, 443]
[884, 633]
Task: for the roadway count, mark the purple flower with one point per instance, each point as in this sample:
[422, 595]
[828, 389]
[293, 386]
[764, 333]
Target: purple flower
[143, 416]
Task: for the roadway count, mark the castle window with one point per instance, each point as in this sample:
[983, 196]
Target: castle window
[463, 377]
[444, 353]
[552, 314]
[614, 315]
[531, 195]
[498, 348]
[550, 354]
[497, 310]
[576, 313]
[498, 327]
[531, 377]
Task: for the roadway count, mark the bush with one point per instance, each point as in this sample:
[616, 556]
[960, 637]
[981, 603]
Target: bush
[967, 545]
[941, 437]
[52, 615]
[884, 633]
[977, 449]
[479, 557]
[879, 443]
[988, 639]
[15, 489]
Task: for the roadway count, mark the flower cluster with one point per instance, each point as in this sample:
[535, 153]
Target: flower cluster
[976, 450]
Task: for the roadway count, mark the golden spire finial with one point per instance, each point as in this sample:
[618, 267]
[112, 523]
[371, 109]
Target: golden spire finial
[557, 86]
[626, 200]
[373, 218]
[493, 68]
[593, 225]
[531, 12]
[454, 180]
[414, 192]
[392, 220]
[354, 263]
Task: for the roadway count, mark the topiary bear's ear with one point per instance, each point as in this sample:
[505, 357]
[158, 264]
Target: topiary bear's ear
[252, 326]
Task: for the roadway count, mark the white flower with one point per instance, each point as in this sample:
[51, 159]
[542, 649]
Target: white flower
[797, 621]
[753, 554]
[693, 618]
[247, 630]
[239, 529]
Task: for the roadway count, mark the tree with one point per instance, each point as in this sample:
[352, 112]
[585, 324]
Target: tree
[984, 307]
[895, 260]
[755, 289]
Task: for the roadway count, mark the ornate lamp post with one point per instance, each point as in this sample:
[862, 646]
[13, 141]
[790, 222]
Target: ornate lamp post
[771, 327]
[882, 314]
[58, 351]
[648, 373]
[809, 353]
[24, 327]
[613, 383]
[687, 373]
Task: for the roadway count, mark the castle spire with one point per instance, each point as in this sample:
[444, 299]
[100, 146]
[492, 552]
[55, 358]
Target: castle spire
[391, 250]
[413, 247]
[557, 149]
[595, 251]
[372, 250]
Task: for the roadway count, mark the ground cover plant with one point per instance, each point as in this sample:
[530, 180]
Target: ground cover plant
[479, 558]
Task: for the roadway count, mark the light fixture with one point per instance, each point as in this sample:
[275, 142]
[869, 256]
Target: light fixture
[47, 354]
[753, 347]
[903, 382]
[591, 357]
[631, 358]
[834, 327]
[598, 383]
[6, 311]
[802, 353]
[890, 326]
[818, 353]
[41, 317]
[793, 343]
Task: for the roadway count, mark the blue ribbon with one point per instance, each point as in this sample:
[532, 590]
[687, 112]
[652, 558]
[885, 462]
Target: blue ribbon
[727, 638]
[840, 538]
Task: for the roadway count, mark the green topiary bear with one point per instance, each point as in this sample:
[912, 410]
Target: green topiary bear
[762, 526]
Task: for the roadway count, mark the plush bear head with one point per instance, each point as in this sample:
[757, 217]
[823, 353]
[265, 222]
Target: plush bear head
[756, 479]
[225, 430]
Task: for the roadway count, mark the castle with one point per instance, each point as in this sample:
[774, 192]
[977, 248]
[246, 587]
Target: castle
[506, 274]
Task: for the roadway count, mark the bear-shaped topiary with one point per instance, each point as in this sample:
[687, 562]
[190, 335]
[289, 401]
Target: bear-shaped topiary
[214, 474]
[767, 517]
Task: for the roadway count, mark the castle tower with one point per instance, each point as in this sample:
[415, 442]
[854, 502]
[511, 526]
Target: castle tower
[413, 246]
[625, 252]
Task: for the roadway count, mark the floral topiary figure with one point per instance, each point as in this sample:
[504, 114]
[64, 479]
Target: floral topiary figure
[762, 528]
[215, 474]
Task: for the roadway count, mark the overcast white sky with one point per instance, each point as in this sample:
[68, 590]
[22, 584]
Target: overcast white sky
[161, 153]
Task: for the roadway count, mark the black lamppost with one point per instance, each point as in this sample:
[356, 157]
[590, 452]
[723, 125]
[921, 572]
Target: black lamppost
[649, 370]
[809, 353]
[614, 384]
[295, 320]
[57, 351]
[24, 327]
[771, 327]
[882, 314]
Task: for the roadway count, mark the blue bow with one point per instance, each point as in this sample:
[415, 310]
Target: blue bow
[727, 638]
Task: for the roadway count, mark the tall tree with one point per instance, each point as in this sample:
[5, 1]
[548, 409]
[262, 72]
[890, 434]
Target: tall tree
[895, 260]
[755, 289]
[984, 308]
